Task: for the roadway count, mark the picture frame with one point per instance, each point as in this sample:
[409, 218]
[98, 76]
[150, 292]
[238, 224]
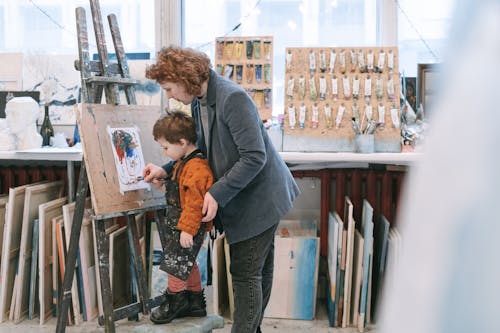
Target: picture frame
[427, 80]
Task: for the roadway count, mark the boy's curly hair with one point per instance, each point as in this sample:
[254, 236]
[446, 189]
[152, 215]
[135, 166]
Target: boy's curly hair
[174, 126]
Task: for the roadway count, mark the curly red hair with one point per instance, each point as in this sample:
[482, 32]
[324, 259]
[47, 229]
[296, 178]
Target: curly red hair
[184, 66]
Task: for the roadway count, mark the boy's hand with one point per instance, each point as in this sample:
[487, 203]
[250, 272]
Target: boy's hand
[154, 174]
[186, 239]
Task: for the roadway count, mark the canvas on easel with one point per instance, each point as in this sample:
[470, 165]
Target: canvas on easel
[109, 191]
[128, 156]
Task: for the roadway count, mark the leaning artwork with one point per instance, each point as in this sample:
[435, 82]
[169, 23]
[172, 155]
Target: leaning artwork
[129, 160]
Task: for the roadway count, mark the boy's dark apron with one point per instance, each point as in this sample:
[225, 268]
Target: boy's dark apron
[177, 260]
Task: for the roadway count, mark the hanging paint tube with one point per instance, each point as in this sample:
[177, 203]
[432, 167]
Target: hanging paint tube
[381, 116]
[333, 57]
[340, 114]
[328, 116]
[302, 116]
[291, 116]
[315, 116]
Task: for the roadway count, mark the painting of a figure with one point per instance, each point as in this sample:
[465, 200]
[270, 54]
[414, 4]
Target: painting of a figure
[129, 160]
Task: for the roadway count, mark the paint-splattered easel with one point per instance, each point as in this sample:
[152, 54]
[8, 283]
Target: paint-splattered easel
[99, 76]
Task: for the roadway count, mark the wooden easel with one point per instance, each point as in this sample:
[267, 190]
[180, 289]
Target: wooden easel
[99, 76]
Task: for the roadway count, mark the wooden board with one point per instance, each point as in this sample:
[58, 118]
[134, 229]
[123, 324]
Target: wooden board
[14, 298]
[340, 271]
[237, 59]
[119, 267]
[341, 282]
[219, 276]
[88, 267]
[229, 278]
[357, 276]
[349, 219]
[3, 216]
[46, 212]
[97, 148]
[381, 233]
[35, 195]
[140, 222]
[10, 247]
[367, 229]
[332, 297]
[33, 302]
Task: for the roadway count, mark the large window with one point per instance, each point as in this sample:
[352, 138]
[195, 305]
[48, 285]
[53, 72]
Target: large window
[422, 32]
[48, 26]
[293, 23]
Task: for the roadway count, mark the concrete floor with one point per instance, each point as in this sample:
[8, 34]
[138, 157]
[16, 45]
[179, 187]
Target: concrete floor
[320, 324]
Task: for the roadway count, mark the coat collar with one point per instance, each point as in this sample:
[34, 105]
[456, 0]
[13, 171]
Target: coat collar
[211, 89]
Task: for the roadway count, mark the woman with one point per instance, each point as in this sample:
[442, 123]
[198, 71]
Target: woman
[253, 187]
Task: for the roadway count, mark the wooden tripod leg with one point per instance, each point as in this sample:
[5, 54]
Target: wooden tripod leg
[111, 90]
[81, 195]
[121, 57]
[90, 92]
[102, 244]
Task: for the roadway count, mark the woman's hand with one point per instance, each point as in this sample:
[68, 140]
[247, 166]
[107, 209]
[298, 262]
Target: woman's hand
[210, 207]
[154, 174]
[186, 239]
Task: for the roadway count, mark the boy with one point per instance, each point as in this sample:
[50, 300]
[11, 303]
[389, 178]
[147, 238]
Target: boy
[185, 188]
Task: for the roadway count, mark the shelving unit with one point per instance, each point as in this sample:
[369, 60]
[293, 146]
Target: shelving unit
[248, 61]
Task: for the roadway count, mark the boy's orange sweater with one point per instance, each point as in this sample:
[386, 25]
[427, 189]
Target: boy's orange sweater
[194, 180]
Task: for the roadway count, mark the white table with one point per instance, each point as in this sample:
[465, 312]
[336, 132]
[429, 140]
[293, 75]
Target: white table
[315, 161]
[69, 155]
[43, 154]
[294, 160]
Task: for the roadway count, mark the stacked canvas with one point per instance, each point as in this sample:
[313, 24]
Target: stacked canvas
[356, 265]
[37, 221]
